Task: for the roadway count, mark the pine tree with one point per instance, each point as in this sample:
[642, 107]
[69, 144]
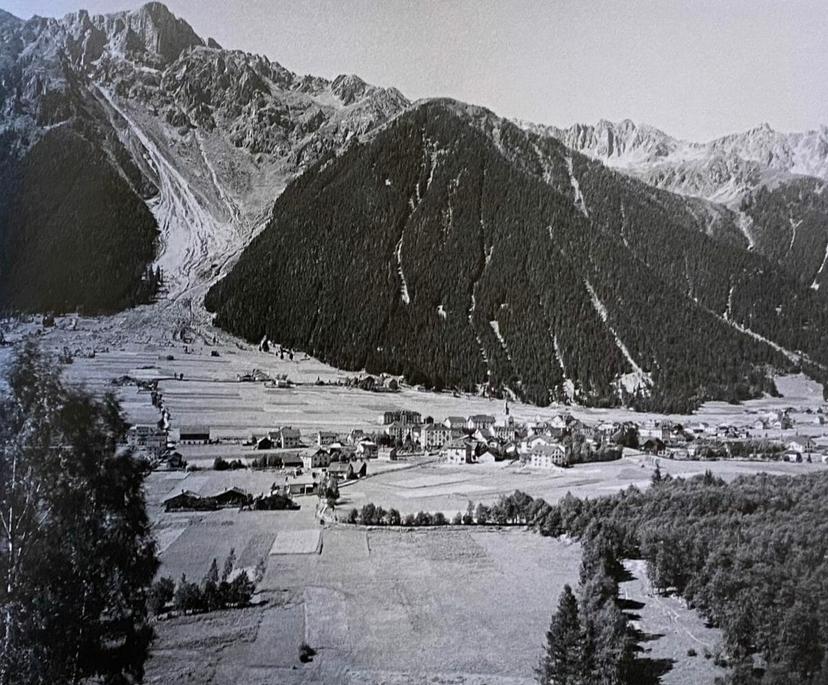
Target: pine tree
[229, 562]
[562, 664]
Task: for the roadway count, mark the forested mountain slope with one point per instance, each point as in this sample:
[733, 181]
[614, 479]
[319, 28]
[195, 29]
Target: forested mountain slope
[459, 250]
[771, 183]
[156, 150]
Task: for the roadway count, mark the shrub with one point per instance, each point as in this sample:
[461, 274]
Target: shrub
[306, 652]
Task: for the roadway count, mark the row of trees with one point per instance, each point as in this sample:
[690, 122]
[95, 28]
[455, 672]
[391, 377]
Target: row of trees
[590, 641]
[215, 591]
[508, 510]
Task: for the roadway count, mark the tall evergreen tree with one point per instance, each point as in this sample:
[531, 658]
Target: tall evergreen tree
[562, 663]
[77, 554]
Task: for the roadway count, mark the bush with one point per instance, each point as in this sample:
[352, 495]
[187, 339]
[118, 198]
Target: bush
[306, 652]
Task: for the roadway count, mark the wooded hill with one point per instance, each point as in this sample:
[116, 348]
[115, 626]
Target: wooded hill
[74, 231]
[459, 250]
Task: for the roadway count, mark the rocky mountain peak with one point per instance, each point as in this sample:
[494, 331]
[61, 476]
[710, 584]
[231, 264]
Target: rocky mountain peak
[153, 28]
[348, 88]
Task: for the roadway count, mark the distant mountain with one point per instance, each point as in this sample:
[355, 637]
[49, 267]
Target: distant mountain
[774, 181]
[159, 151]
[459, 250]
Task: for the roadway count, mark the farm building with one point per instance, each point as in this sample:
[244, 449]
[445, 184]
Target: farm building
[194, 435]
[232, 497]
[185, 500]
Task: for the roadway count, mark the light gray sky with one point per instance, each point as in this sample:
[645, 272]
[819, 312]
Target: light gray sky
[695, 68]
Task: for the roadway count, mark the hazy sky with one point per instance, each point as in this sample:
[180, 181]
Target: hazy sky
[696, 68]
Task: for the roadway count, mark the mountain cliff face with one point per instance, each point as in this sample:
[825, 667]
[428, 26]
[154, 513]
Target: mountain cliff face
[773, 181]
[191, 137]
[460, 250]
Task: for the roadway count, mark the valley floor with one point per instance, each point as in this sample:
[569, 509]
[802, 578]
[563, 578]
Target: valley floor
[450, 605]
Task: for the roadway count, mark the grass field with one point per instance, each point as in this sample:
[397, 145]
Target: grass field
[382, 606]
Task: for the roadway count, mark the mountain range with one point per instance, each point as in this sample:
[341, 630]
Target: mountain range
[146, 165]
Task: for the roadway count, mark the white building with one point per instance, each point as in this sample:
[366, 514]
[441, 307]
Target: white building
[458, 452]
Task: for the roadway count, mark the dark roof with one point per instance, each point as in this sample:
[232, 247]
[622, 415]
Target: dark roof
[181, 495]
[194, 430]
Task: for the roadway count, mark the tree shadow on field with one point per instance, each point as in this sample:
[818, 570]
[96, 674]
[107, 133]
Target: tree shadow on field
[646, 670]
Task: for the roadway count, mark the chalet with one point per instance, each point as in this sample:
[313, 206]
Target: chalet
[435, 436]
[184, 500]
[325, 438]
[232, 497]
[548, 455]
[264, 443]
[147, 438]
[655, 446]
[458, 451]
[316, 458]
[194, 435]
[286, 437]
[367, 449]
[480, 422]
